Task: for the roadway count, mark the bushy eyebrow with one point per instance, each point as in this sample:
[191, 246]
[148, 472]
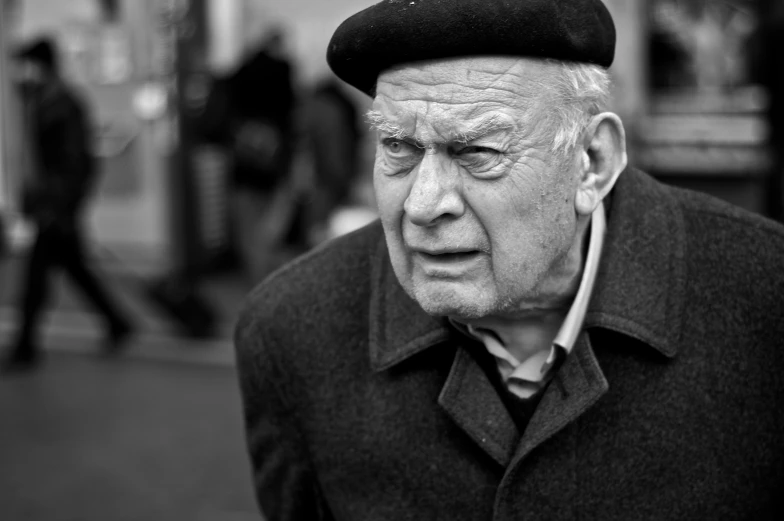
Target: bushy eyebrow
[492, 123]
[382, 124]
[487, 125]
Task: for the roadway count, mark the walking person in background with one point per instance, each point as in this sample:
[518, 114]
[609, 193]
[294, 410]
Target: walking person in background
[257, 130]
[54, 192]
[333, 136]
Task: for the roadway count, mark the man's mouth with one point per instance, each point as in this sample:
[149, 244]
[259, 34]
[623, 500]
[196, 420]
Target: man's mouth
[448, 256]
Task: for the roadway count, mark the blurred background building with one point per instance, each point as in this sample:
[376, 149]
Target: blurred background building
[692, 85]
[148, 67]
[697, 82]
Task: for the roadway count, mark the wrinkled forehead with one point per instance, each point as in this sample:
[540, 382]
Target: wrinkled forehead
[468, 79]
[462, 87]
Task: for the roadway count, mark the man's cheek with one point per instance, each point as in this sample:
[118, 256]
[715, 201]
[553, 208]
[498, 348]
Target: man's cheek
[391, 194]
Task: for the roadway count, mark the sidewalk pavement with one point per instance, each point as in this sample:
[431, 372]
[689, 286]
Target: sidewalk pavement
[70, 324]
[91, 439]
[153, 434]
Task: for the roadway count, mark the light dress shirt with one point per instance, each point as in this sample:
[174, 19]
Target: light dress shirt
[526, 378]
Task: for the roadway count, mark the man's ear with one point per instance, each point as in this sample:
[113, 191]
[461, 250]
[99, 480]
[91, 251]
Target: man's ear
[603, 159]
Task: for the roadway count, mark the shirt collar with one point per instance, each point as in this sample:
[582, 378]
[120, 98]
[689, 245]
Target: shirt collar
[538, 367]
[573, 322]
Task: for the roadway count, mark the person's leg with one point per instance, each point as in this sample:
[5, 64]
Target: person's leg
[35, 292]
[250, 209]
[276, 219]
[76, 265]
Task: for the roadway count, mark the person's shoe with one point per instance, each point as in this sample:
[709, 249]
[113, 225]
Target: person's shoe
[117, 338]
[19, 361]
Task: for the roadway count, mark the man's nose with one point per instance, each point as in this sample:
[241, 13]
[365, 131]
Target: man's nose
[436, 193]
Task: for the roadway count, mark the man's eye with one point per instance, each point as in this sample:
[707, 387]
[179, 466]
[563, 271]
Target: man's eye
[480, 161]
[399, 148]
[473, 151]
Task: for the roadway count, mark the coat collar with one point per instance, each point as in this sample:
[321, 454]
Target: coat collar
[640, 287]
[399, 328]
[639, 290]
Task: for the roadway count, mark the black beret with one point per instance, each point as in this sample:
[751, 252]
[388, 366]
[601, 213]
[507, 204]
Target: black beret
[393, 32]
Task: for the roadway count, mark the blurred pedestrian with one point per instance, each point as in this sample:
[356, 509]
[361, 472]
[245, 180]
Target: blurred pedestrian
[259, 100]
[333, 135]
[54, 192]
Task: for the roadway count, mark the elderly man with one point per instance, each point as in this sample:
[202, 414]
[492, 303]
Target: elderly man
[533, 330]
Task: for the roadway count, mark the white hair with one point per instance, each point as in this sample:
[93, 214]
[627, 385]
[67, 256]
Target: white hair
[577, 92]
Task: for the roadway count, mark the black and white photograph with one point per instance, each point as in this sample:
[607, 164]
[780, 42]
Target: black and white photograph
[362, 260]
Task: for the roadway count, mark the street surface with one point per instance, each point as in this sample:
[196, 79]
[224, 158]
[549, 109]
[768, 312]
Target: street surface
[154, 434]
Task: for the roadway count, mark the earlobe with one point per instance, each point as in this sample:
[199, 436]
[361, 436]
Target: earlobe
[585, 201]
[604, 158]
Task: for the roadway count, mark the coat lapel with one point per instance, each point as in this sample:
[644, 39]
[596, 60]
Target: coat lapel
[398, 327]
[575, 388]
[472, 402]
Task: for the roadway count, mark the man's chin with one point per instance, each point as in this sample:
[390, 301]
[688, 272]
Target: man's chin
[451, 300]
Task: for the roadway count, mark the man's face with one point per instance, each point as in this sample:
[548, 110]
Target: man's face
[29, 72]
[478, 212]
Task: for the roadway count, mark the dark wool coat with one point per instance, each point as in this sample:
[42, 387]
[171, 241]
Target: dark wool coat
[359, 406]
[60, 139]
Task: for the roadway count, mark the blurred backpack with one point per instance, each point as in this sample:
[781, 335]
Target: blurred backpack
[257, 145]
